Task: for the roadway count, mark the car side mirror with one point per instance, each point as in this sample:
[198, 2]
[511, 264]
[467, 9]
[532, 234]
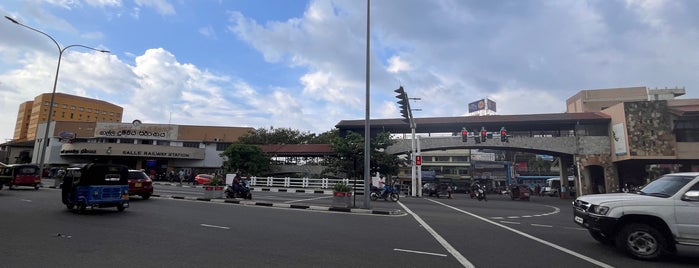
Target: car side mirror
[691, 196]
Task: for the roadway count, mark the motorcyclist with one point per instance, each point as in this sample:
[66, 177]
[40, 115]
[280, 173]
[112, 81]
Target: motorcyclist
[236, 183]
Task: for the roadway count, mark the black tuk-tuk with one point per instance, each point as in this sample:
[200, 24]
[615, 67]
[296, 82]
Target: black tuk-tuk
[96, 185]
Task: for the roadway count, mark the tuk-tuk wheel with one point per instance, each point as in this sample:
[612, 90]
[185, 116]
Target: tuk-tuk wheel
[82, 208]
[120, 208]
[36, 187]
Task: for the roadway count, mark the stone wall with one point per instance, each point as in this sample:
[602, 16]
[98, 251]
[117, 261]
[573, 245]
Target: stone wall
[649, 128]
[611, 179]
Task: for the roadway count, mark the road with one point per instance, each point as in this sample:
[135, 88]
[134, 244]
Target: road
[38, 231]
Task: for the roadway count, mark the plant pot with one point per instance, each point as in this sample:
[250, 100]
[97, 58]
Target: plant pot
[213, 191]
[342, 199]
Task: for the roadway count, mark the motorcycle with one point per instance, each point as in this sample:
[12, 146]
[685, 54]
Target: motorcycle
[388, 193]
[243, 191]
[478, 193]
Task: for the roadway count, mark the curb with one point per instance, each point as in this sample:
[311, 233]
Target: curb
[278, 205]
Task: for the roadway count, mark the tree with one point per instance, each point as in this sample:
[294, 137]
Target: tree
[262, 136]
[349, 156]
[247, 159]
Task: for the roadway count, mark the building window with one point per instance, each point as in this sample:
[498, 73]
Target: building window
[89, 110]
[47, 103]
[72, 107]
[111, 113]
[126, 141]
[64, 106]
[163, 143]
[146, 142]
[190, 144]
[222, 146]
[71, 115]
[55, 105]
[104, 113]
[460, 159]
[81, 109]
[63, 114]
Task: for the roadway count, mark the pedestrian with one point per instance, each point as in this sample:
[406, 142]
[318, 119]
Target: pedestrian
[181, 175]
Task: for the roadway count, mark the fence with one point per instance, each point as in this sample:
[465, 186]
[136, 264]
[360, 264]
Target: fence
[286, 182]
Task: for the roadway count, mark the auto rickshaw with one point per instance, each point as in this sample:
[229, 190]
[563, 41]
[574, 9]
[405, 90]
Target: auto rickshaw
[20, 175]
[96, 185]
[520, 191]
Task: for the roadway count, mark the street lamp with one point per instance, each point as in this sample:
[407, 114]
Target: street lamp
[44, 142]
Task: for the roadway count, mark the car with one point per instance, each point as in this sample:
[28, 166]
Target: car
[203, 179]
[649, 224]
[140, 184]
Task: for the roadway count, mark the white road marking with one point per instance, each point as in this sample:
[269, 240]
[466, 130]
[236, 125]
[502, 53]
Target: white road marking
[460, 258]
[420, 252]
[541, 225]
[510, 222]
[26, 200]
[215, 226]
[578, 255]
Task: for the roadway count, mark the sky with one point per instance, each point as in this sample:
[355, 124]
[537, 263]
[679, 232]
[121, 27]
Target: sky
[302, 64]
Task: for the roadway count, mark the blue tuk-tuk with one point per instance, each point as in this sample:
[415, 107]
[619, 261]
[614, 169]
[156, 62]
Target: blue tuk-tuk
[96, 185]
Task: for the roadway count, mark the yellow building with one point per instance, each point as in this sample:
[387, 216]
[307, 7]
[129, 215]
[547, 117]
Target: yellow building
[65, 108]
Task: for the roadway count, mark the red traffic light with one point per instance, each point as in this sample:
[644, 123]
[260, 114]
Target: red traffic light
[418, 160]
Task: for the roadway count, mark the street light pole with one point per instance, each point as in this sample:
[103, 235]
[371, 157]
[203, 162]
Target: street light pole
[44, 142]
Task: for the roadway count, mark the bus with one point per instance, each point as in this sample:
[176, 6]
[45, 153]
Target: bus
[553, 185]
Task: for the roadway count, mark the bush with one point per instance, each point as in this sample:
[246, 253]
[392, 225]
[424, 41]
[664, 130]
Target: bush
[342, 187]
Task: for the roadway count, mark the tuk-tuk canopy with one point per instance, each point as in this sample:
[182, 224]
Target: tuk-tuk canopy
[102, 174]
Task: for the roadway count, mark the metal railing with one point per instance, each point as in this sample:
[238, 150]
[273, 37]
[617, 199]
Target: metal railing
[304, 183]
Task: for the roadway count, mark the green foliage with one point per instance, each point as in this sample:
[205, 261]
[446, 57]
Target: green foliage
[217, 181]
[342, 187]
[246, 159]
[262, 136]
[349, 159]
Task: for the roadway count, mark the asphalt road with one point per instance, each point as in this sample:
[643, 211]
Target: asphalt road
[38, 231]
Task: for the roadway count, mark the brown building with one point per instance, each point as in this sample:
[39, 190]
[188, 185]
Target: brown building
[65, 108]
[595, 100]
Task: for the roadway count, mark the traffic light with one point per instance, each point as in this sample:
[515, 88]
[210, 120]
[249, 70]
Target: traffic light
[403, 103]
[464, 135]
[418, 160]
[503, 135]
[484, 134]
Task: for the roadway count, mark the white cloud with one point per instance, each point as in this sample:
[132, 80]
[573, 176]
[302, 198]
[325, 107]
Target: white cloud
[163, 7]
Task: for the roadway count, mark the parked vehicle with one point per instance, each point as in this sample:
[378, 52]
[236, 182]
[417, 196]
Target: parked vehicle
[242, 191]
[389, 192]
[140, 184]
[438, 189]
[95, 186]
[203, 179]
[20, 175]
[648, 224]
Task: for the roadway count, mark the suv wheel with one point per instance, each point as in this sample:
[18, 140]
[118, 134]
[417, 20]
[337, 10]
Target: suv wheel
[642, 241]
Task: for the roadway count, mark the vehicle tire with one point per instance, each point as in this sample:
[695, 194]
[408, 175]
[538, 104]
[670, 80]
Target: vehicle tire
[120, 207]
[70, 206]
[249, 196]
[145, 196]
[1, 185]
[82, 208]
[642, 241]
[374, 196]
[601, 238]
[394, 197]
[36, 187]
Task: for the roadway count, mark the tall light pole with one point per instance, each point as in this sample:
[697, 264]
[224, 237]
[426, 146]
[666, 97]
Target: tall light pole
[367, 126]
[44, 142]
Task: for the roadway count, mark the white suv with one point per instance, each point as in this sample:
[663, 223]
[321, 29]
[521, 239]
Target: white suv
[647, 224]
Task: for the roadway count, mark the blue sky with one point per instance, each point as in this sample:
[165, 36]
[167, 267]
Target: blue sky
[301, 64]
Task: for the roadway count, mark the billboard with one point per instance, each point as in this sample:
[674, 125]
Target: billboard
[476, 106]
[491, 105]
[483, 104]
